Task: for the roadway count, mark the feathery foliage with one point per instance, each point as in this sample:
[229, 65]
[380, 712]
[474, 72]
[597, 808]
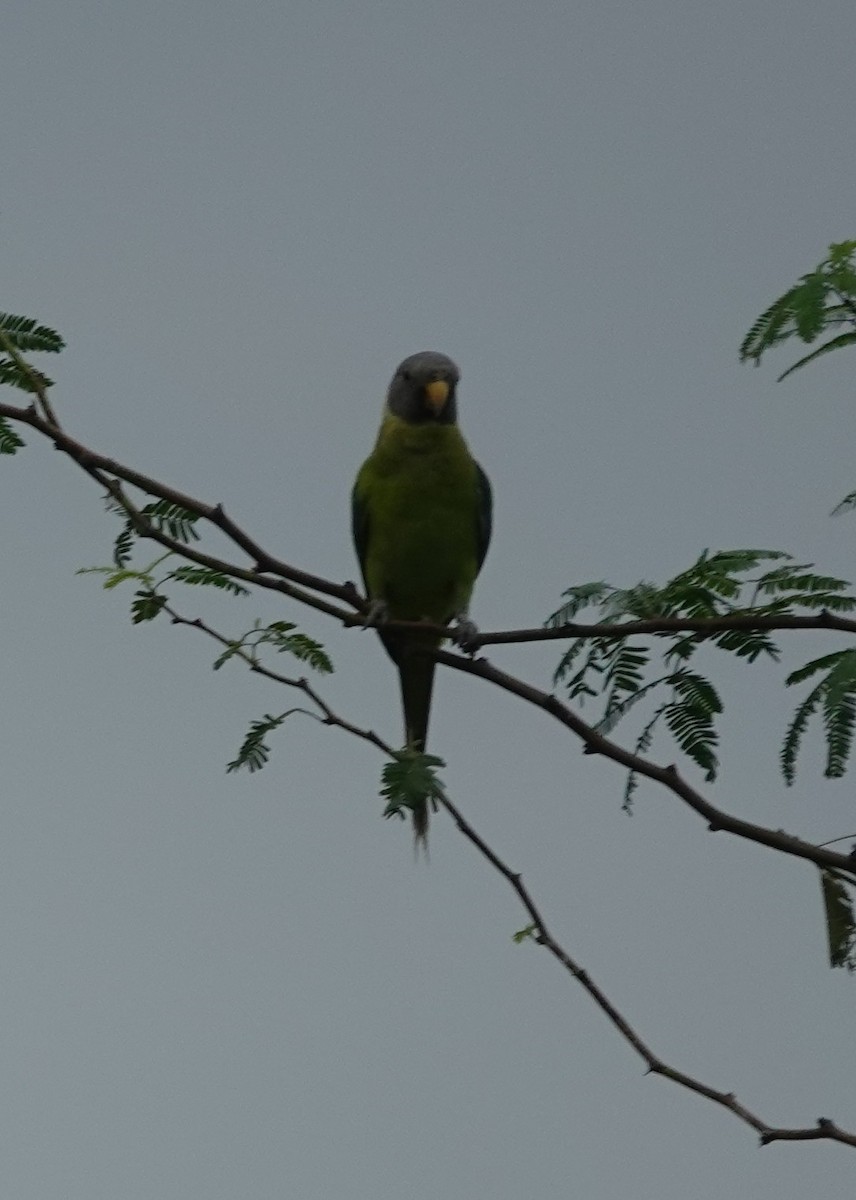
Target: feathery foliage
[834, 697]
[410, 779]
[206, 577]
[255, 752]
[146, 605]
[27, 336]
[845, 505]
[840, 919]
[150, 600]
[284, 637]
[822, 300]
[731, 583]
[24, 335]
[10, 442]
[164, 516]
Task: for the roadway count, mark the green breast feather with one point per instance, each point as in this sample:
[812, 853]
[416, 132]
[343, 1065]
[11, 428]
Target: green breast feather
[419, 521]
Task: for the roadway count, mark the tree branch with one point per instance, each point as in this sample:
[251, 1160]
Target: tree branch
[656, 1066]
[92, 462]
[669, 777]
[656, 625]
[327, 715]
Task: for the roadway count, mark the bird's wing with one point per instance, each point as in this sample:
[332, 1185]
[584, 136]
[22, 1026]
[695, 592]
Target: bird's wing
[360, 520]
[484, 514]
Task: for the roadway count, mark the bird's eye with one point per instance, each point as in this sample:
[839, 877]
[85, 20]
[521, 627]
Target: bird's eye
[406, 376]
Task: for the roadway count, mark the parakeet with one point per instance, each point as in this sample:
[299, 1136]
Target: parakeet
[421, 520]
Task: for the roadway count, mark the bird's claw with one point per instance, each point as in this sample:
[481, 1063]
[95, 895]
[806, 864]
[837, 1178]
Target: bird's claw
[377, 614]
[465, 634]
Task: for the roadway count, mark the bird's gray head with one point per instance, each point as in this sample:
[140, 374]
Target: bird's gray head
[423, 389]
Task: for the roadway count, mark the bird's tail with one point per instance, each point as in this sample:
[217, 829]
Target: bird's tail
[416, 672]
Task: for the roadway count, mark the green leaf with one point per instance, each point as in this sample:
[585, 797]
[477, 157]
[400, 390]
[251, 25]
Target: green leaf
[747, 643]
[643, 745]
[146, 605]
[845, 505]
[772, 327]
[27, 336]
[280, 635]
[577, 598]
[839, 714]
[626, 667]
[254, 752]
[690, 719]
[231, 650]
[797, 577]
[823, 300]
[409, 780]
[841, 254]
[207, 577]
[124, 545]
[25, 378]
[808, 305]
[746, 583]
[526, 934]
[835, 697]
[178, 522]
[615, 711]
[817, 664]
[840, 921]
[115, 575]
[794, 734]
[10, 442]
[843, 339]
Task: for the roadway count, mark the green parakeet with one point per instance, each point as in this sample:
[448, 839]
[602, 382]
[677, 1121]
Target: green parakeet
[421, 518]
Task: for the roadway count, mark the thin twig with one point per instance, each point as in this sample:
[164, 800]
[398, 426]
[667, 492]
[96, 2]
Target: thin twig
[656, 1066]
[326, 714]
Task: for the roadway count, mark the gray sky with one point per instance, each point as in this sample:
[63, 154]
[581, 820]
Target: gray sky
[242, 216]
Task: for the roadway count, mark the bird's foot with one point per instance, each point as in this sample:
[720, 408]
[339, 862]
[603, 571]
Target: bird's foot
[465, 634]
[377, 614]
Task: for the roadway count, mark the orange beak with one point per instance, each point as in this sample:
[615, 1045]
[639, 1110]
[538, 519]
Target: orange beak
[436, 395]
